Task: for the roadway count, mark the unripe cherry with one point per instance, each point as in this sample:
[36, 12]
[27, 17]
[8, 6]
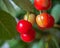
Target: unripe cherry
[45, 20]
[28, 37]
[30, 18]
[42, 4]
[23, 26]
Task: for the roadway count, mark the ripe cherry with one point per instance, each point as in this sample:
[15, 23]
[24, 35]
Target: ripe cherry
[30, 18]
[45, 20]
[51, 20]
[28, 37]
[23, 26]
[42, 4]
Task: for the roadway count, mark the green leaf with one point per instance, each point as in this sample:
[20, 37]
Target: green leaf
[7, 26]
[41, 43]
[34, 45]
[51, 44]
[56, 12]
[32, 1]
[10, 7]
[21, 44]
[1, 43]
[55, 42]
[25, 5]
[13, 42]
[3, 6]
[46, 45]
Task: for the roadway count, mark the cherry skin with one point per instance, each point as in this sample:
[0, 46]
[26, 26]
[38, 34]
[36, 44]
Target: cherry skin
[42, 4]
[23, 26]
[44, 20]
[28, 37]
[30, 18]
[51, 20]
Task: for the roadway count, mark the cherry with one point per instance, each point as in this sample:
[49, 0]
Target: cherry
[23, 26]
[51, 20]
[30, 18]
[42, 4]
[45, 20]
[28, 37]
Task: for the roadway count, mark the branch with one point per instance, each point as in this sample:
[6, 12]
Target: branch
[57, 26]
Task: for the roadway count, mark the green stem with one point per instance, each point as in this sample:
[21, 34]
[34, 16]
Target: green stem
[40, 11]
[27, 15]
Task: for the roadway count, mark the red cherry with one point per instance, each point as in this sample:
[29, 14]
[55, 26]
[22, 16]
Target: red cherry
[23, 26]
[28, 37]
[51, 21]
[45, 20]
[42, 4]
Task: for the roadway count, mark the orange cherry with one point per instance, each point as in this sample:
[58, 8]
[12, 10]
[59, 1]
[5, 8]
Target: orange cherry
[45, 20]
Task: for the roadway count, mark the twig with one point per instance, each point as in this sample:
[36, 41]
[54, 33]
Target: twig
[56, 25]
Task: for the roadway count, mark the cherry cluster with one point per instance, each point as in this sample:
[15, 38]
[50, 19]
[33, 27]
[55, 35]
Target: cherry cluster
[43, 20]
[27, 33]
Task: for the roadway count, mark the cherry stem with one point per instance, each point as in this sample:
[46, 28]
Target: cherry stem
[44, 10]
[27, 16]
[56, 25]
[40, 11]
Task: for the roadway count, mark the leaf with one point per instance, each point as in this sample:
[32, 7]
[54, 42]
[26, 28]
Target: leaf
[41, 43]
[55, 42]
[10, 7]
[34, 45]
[1, 43]
[32, 1]
[56, 12]
[7, 26]
[51, 44]
[13, 42]
[46, 45]
[25, 5]
[21, 44]
[3, 6]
